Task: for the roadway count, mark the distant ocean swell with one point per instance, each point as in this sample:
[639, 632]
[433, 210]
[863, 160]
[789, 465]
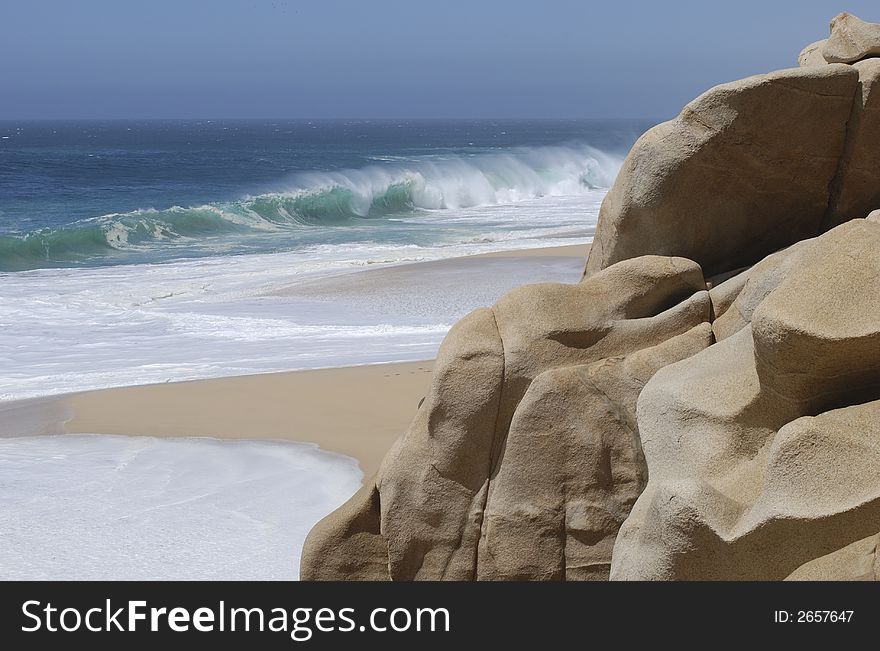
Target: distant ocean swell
[315, 199]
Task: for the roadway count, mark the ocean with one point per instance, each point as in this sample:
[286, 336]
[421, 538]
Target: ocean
[144, 252]
[149, 251]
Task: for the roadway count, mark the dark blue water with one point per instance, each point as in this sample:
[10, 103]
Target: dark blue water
[87, 193]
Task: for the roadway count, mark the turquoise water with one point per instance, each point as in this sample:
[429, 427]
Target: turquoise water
[105, 193]
[134, 253]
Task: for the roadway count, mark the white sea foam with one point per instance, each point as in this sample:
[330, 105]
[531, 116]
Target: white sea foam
[138, 508]
[66, 330]
[455, 181]
[313, 206]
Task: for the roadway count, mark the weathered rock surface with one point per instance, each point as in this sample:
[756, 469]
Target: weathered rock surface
[743, 171]
[351, 546]
[744, 292]
[554, 514]
[812, 54]
[855, 190]
[433, 488]
[726, 289]
[858, 561]
[764, 449]
[851, 40]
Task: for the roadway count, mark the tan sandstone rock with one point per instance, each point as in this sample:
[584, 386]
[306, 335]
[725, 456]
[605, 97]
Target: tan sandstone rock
[725, 290]
[742, 172]
[858, 561]
[851, 40]
[572, 467]
[650, 422]
[812, 55]
[349, 545]
[764, 449]
[747, 290]
[855, 190]
[433, 486]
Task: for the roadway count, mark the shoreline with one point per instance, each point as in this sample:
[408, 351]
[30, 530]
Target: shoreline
[391, 275]
[357, 410]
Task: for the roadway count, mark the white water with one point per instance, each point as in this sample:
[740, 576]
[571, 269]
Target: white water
[138, 508]
[391, 202]
[109, 507]
[65, 330]
[113, 507]
[454, 181]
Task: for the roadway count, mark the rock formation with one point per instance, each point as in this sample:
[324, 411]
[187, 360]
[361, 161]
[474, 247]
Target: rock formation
[764, 449]
[851, 40]
[855, 190]
[704, 404]
[744, 170]
[451, 491]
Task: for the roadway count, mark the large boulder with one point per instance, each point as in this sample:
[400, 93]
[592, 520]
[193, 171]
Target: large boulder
[422, 517]
[653, 422]
[444, 457]
[851, 40]
[763, 450]
[744, 170]
[812, 54]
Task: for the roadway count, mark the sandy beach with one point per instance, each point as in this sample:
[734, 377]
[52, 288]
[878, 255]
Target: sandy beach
[357, 411]
[425, 275]
[171, 480]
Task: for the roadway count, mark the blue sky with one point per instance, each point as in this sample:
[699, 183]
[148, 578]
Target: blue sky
[390, 58]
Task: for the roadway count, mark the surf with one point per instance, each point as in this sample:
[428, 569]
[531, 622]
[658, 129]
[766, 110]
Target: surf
[308, 202]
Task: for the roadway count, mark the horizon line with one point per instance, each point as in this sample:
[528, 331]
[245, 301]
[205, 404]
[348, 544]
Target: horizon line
[325, 119]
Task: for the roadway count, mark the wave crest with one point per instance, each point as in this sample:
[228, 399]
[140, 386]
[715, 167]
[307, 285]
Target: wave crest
[315, 199]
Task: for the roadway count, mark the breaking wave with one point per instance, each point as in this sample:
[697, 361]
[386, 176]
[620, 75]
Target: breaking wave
[313, 200]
